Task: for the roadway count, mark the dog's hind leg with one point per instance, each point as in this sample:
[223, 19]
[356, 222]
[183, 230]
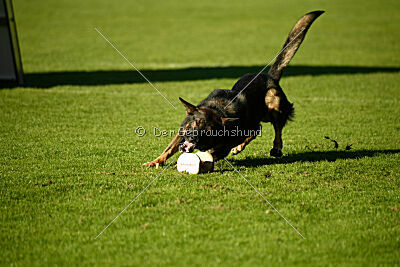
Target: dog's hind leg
[276, 151]
[171, 149]
[279, 111]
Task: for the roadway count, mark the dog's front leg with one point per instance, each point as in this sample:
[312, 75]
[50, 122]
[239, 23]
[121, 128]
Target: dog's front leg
[171, 149]
[236, 150]
[219, 153]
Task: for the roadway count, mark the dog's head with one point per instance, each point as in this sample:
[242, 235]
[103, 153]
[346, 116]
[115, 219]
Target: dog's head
[201, 129]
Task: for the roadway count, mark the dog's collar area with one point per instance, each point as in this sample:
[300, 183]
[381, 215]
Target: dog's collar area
[218, 110]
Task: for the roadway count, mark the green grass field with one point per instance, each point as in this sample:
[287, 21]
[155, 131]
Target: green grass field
[70, 160]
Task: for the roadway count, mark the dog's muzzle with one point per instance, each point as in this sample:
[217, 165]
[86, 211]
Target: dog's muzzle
[186, 147]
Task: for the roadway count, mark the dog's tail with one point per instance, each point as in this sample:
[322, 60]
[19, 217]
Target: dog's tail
[293, 42]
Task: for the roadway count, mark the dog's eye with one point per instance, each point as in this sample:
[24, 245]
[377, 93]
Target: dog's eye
[199, 122]
[193, 124]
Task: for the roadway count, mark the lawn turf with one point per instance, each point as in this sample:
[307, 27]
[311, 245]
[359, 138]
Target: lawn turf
[70, 160]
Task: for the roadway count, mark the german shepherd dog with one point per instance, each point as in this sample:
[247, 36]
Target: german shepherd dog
[227, 120]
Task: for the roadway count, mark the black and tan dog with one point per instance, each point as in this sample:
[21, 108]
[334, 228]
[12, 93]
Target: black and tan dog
[227, 120]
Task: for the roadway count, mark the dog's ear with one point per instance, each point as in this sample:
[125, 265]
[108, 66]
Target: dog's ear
[190, 109]
[228, 121]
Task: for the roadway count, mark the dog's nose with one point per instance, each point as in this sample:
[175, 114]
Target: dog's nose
[186, 147]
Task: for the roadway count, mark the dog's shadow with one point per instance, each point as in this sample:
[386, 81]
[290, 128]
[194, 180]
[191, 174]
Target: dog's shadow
[311, 156]
[45, 80]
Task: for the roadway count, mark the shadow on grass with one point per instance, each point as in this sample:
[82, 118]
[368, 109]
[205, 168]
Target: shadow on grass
[50, 79]
[311, 157]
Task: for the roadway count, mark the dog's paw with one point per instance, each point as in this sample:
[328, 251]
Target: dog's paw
[154, 163]
[236, 150]
[276, 152]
